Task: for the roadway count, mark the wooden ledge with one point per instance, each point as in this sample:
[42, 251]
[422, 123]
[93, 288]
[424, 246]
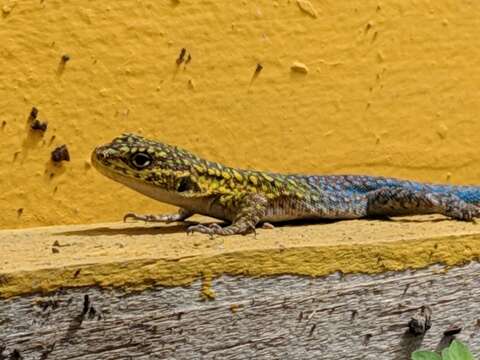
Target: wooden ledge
[136, 256]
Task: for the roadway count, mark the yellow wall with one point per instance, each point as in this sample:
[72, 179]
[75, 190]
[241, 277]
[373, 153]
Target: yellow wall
[392, 88]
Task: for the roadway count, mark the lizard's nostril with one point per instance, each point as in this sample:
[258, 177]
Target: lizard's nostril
[105, 153]
[100, 153]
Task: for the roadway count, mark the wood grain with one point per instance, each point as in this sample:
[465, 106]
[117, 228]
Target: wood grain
[279, 317]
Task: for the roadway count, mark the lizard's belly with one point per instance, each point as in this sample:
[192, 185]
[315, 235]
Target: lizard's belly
[307, 216]
[290, 209]
[293, 209]
[289, 217]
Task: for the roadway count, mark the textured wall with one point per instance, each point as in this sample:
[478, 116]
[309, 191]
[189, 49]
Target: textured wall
[391, 89]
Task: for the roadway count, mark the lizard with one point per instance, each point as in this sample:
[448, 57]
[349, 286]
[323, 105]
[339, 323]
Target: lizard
[246, 198]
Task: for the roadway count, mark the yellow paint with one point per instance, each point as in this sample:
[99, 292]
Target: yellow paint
[307, 7]
[234, 308]
[390, 90]
[207, 292]
[136, 257]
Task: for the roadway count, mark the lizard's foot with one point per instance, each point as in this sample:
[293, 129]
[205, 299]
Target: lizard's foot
[267, 225]
[203, 229]
[401, 201]
[166, 218]
[215, 229]
[250, 209]
[464, 211]
[150, 218]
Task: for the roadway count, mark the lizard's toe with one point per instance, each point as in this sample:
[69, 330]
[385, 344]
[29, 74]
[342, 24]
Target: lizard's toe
[465, 213]
[138, 217]
[474, 212]
[267, 225]
[130, 215]
[214, 226]
[200, 229]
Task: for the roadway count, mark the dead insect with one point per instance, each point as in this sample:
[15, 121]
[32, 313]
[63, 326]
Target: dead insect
[91, 312]
[38, 125]
[181, 56]
[189, 58]
[366, 339]
[60, 154]
[258, 69]
[65, 58]
[15, 355]
[421, 321]
[86, 304]
[453, 329]
[33, 114]
[50, 302]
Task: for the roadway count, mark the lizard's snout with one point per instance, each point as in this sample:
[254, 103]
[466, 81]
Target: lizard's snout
[101, 154]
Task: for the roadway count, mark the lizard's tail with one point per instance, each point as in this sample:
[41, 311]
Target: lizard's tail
[468, 193]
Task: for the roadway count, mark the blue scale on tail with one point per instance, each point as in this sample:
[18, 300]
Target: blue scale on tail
[469, 194]
[359, 184]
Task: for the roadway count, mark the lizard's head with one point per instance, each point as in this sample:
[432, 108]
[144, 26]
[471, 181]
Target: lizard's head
[142, 163]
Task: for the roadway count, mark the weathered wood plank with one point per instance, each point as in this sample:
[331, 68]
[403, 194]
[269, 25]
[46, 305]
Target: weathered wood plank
[280, 317]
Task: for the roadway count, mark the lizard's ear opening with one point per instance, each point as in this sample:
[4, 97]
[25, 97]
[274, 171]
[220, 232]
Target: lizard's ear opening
[186, 184]
[141, 160]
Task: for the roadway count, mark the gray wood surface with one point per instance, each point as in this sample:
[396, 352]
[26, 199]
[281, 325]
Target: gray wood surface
[283, 317]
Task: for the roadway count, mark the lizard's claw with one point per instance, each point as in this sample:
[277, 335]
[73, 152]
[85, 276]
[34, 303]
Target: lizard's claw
[209, 230]
[169, 218]
[267, 225]
[214, 226]
[146, 218]
[134, 216]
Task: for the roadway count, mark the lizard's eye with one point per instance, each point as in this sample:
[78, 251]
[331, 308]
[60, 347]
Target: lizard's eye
[141, 160]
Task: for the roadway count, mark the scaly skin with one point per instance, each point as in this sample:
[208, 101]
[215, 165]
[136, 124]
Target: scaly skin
[245, 198]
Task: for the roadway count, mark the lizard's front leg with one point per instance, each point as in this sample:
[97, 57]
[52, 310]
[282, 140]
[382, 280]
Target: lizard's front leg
[400, 201]
[182, 215]
[250, 209]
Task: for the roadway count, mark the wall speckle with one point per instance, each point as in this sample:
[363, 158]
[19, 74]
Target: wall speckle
[299, 67]
[307, 7]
